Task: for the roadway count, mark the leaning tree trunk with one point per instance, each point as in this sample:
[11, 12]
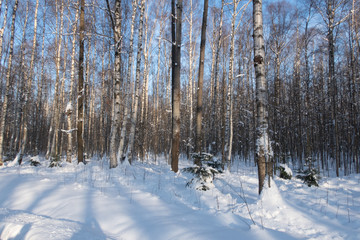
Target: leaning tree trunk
[8, 85]
[263, 151]
[198, 139]
[176, 22]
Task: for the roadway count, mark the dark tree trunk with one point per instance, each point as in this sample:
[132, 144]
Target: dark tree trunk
[176, 22]
[198, 139]
[80, 120]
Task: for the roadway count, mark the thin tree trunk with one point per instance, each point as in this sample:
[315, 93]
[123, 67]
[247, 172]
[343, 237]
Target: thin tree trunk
[229, 102]
[145, 100]
[70, 107]
[28, 81]
[216, 81]
[176, 22]
[57, 98]
[190, 90]
[156, 94]
[80, 98]
[333, 87]
[130, 151]
[127, 86]
[103, 99]
[3, 28]
[198, 141]
[19, 114]
[117, 83]
[62, 101]
[40, 86]
[7, 90]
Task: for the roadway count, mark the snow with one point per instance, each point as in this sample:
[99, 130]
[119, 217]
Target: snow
[69, 107]
[264, 141]
[68, 131]
[287, 169]
[148, 201]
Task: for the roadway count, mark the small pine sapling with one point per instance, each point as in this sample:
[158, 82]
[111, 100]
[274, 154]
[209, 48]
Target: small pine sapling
[311, 175]
[285, 171]
[55, 161]
[204, 174]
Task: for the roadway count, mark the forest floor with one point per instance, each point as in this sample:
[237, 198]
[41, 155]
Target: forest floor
[148, 201]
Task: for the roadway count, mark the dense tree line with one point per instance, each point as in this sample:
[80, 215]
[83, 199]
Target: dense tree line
[101, 71]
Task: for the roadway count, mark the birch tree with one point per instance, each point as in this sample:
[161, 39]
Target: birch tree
[130, 150]
[116, 25]
[55, 154]
[263, 151]
[70, 108]
[230, 97]
[127, 108]
[3, 27]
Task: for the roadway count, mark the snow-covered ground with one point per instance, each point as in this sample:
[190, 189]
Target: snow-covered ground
[148, 201]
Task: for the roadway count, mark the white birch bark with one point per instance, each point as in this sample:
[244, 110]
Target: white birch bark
[70, 106]
[117, 82]
[3, 27]
[229, 101]
[145, 96]
[263, 151]
[127, 86]
[130, 151]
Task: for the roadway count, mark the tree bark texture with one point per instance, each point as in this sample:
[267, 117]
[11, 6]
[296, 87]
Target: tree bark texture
[127, 108]
[198, 140]
[8, 85]
[263, 148]
[130, 150]
[117, 84]
[80, 97]
[176, 22]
